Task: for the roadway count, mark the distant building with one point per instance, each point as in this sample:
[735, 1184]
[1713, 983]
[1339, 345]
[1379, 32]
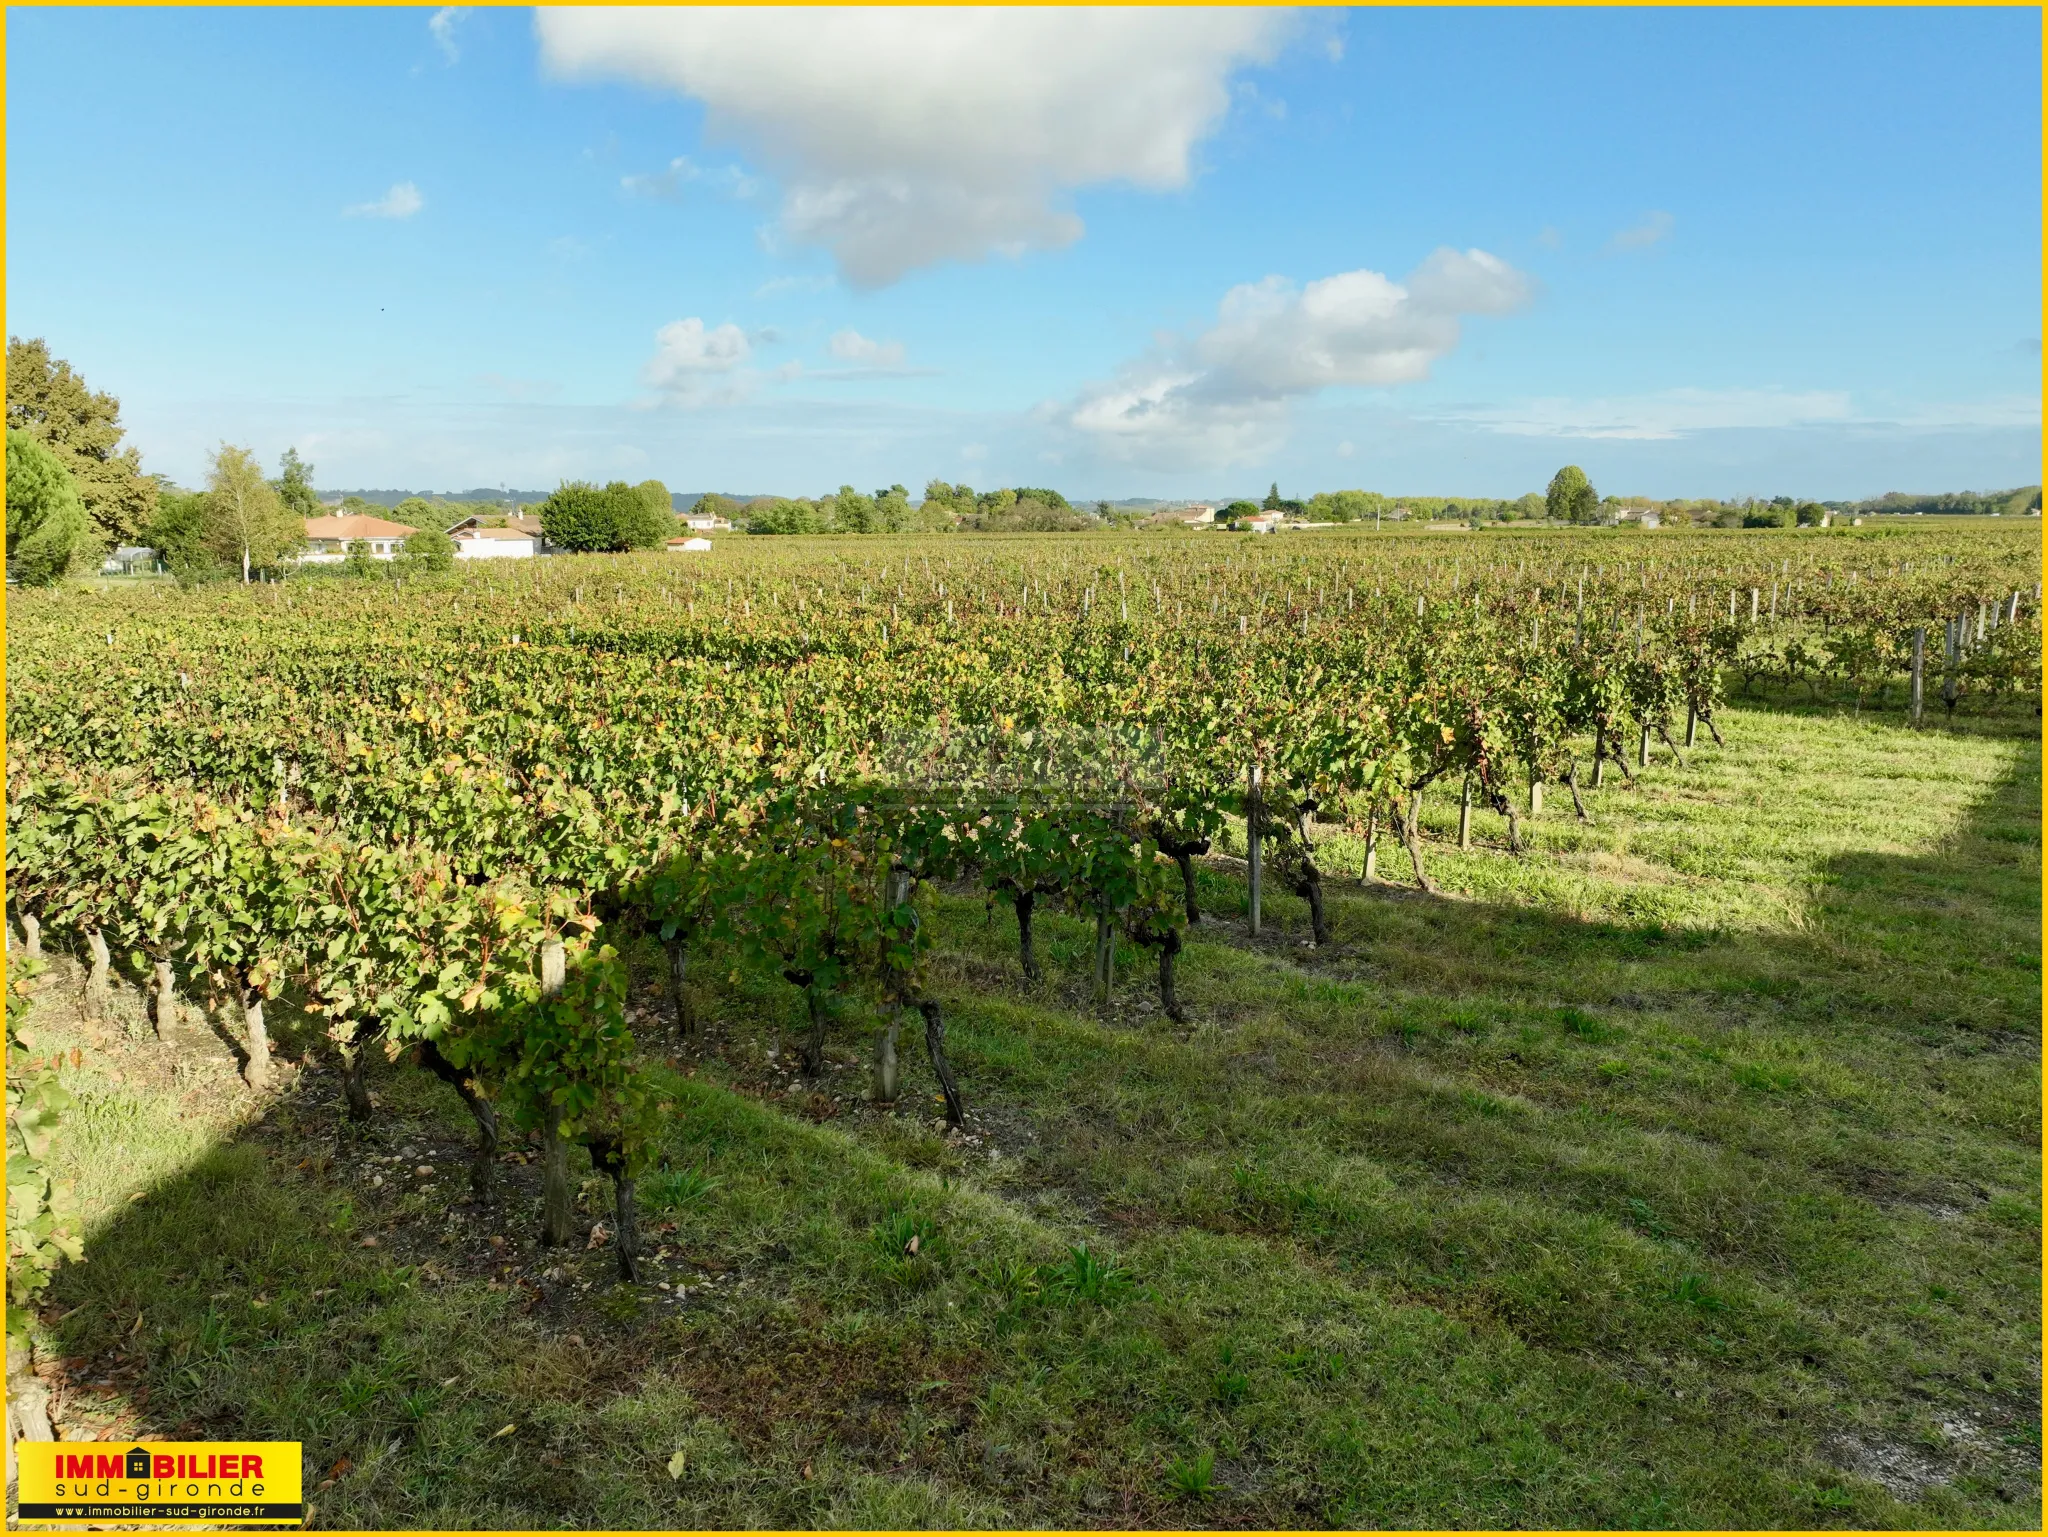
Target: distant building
[707, 523]
[331, 537]
[494, 544]
[524, 524]
[125, 560]
[688, 545]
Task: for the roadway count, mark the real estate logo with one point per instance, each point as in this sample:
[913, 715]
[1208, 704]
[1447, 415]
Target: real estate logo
[222, 1483]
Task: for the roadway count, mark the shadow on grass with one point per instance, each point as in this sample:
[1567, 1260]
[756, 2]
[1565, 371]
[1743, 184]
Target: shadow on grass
[1614, 1224]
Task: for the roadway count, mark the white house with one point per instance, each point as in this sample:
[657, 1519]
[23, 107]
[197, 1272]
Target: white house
[526, 525]
[706, 523]
[330, 538]
[494, 544]
[687, 546]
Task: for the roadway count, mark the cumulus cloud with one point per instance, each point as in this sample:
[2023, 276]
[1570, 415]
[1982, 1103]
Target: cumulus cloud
[1222, 396]
[443, 24]
[1656, 226]
[690, 360]
[908, 137]
[401, 202]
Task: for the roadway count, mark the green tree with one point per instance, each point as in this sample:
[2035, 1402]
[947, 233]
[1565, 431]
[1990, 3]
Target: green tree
[427, 552]
[1571, 497]
[654, 521]
[1272, 501]
[180, 533]
[360, 563]
[294, 486]
[245, 519]
[49, 532]
[892, 511]
[82, 427]
[641, 521]
[1042, 494]
[853, 513]
[580, 516]
[787, 517]
[1809, 514]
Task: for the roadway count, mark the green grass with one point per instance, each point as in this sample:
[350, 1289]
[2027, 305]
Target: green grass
[1682, 1173]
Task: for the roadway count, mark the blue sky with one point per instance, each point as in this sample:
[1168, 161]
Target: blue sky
[1164, 253]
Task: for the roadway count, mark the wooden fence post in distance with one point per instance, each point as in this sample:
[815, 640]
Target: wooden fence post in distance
[1919, 669]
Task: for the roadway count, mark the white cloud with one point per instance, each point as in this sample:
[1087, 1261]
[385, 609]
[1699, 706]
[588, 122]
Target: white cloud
[443, 24]
[850, 346]
[1334, 48]
[1222, 396]
[689, 357]
[908, 137]
[1661, 414]
[1346, 449]
[401, 202]
[1550, 237]
[1656, 226]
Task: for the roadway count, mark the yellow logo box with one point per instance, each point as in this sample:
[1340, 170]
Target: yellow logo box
[222, 1483]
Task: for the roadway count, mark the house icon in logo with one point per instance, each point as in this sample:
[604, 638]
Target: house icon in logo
[138, 1462]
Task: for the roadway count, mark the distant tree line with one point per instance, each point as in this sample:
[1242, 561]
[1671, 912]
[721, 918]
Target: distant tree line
[944, 507]
[2015, 503]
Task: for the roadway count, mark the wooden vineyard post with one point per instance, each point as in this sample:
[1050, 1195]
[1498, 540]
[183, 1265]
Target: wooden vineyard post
[1251, 846]
[1951, 649]
[1919, 670]
[165, 1012]
[1371, 868]
[96, 979]
[1643, 751]
[1465, 816]
[1599, 755]
[1535, 797]
[31, 936]
[256, 1073]
[554, 1152]
[886, 1076]
[1752, 605]
[1105, 945]
[1692, 724]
